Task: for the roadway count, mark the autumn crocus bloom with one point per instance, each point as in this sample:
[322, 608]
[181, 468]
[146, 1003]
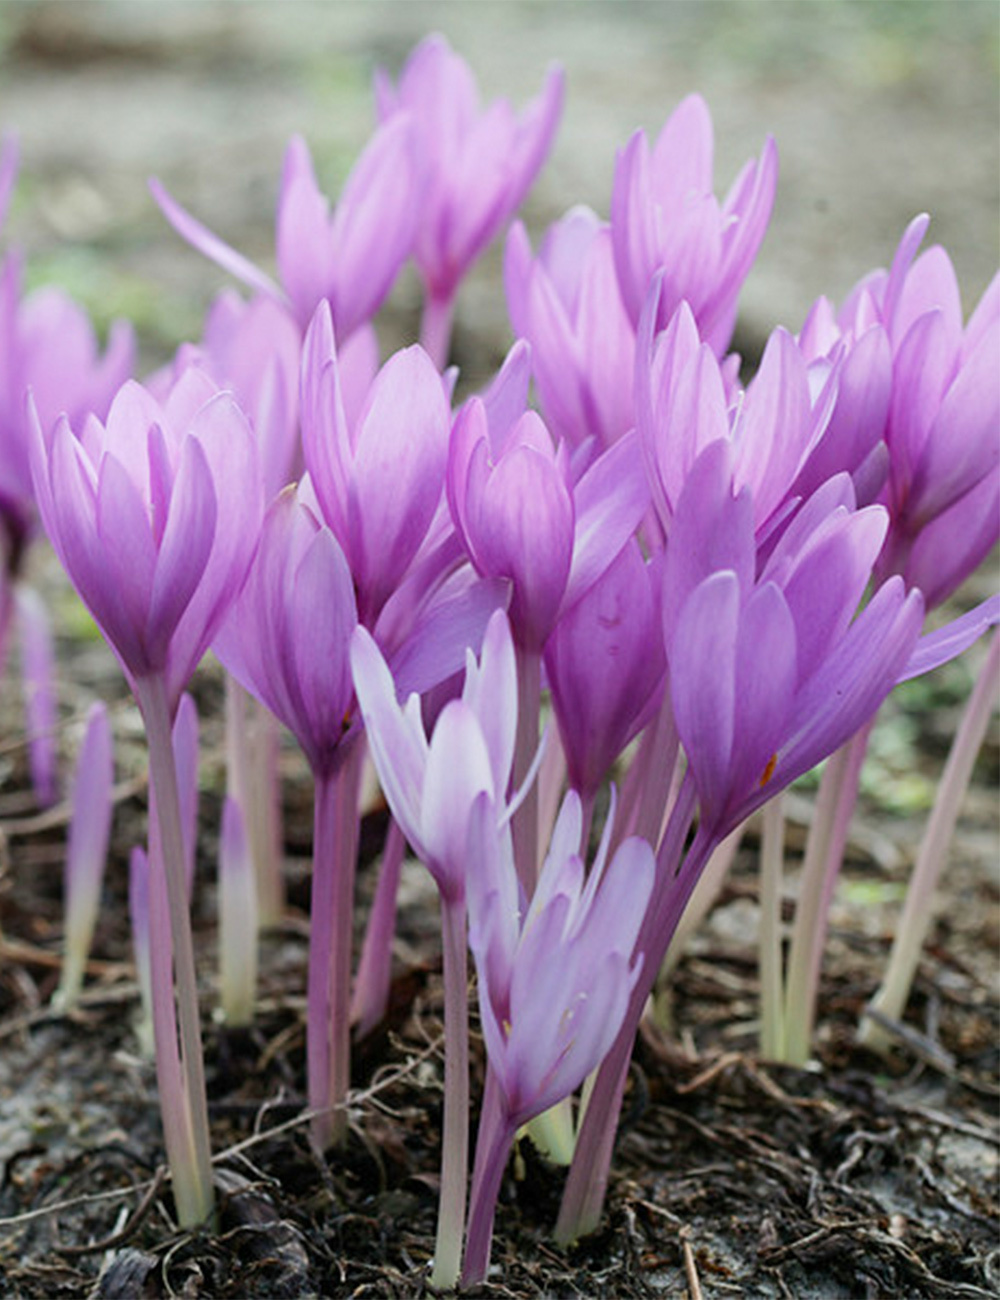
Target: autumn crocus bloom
[348, 259]
[665, 216]
[431, 787]
[474, 167]
[136, 512]
[521, 517]
[555, 979]
[771, 673]
[157, 549]
[286, 642]
[943, 492]
[377, 476]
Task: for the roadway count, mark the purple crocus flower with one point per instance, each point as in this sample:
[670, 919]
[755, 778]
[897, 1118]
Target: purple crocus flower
[475, 166]
[137, 515]
[286, 641]
[287, 635]
[555, 979]
[378, 478]
[520, 517]
[567, 304]
[349, 259]
[943, 492]
[157, 550]
[771, 673]
[664, 215]
[431, 787]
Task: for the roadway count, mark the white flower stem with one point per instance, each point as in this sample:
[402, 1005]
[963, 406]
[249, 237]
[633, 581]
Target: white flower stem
[455, 1128]
[192, 1174]
[911, 931]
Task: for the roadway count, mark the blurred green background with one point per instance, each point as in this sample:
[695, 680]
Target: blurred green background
[881, 109]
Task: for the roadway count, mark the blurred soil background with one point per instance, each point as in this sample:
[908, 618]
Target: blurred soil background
[856, 1178]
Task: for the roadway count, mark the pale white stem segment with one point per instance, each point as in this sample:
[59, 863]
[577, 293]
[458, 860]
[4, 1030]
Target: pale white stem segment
[237, 919]
[911, 931]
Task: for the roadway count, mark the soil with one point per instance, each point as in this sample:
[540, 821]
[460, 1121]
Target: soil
[855, 1177]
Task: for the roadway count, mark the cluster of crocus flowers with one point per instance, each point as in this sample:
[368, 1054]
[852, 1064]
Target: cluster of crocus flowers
[731, 578]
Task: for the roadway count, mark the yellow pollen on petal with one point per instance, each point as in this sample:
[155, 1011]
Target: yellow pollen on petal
[772, 763]
[506, 1025]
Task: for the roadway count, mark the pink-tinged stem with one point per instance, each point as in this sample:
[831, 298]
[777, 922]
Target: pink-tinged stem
[493, 1143]
[6, 607]
[374, 978]
[772, 859]
[328, 1021]
[455, 1134]
[838, 793]
[524, 826]
[192, 1174]
[706, 891]
[551, 782]
[38, 663]
[175, 1114]
[912, 928]
[586, 1184]
[435, 327]
[651, 775]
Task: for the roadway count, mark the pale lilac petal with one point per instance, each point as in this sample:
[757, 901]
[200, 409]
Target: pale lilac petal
[490, 691]
[526, 534]
[458, 769]
[702, 660]
[201, 238]
[320, 618]
[373, 225]
[396, 737]
[963, 444]
[766, 678]
[399, 467]
[954, 544]
[609, 502]
[302, 232]
[128, 563]
[185, 546]
[448, 626]
[712, 530]
[948, 642]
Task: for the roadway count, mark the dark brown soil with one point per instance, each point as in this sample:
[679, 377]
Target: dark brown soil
[856, 1177]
